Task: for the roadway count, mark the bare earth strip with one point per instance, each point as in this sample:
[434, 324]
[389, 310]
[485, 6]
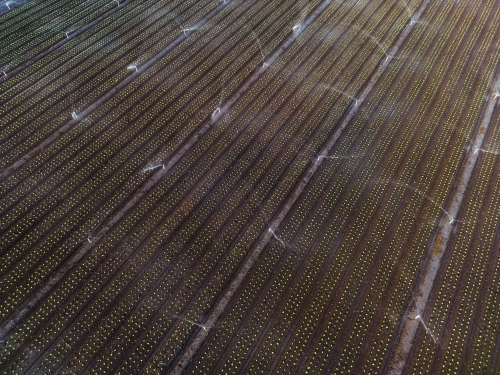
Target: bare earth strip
[223, 302]
[416, 312]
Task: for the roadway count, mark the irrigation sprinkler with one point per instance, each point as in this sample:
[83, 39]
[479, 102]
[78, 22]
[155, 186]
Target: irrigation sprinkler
[270, 230]
[184, 30]
[198, 324]
[90, 235]
[486, 151]
[153, 167]
[330, 157]
[319, 157]
[217, 110]
[187, 30]
[418, 317]
[410, 15]
[413, 21]
[297, 28]
[132, 67]
[7, 4]
[206, 328]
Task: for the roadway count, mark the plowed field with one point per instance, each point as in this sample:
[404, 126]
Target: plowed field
[250, 187]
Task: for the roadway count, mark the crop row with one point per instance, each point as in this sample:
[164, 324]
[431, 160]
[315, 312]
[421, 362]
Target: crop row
[19, 19]
[25, 184]
[482, 339]
[329, 292]
[48, 60]
[85, 81]
[423, 230]
[101, 38]
[457, 298]
[321, 295]
[469, 86]
[97, 136]
[22, 19]
[34, 42]
[243, 308]
[452, 113]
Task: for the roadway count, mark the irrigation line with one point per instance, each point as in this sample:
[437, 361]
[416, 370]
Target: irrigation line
[439, 244]
[113, 91]
[219, 308]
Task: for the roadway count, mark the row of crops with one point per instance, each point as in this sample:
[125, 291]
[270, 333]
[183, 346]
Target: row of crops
[132, 210]
[375, 282]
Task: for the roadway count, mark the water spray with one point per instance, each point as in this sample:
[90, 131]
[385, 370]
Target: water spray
[418, 317]
[270, 230]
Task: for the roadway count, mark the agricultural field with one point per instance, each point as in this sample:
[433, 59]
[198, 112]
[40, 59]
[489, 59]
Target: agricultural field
[250, 187]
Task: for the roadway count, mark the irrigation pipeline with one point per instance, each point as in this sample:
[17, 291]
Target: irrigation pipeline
[220, 306]
[113, 91]
[438, 247]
